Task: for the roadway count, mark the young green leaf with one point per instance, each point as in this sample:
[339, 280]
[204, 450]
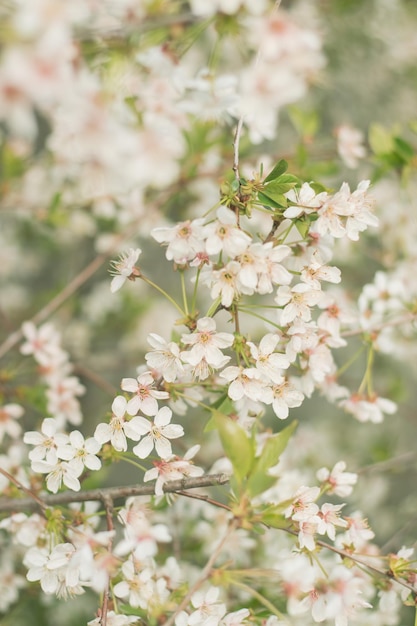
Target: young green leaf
[239, 448]
[279, 169]
[259, 480]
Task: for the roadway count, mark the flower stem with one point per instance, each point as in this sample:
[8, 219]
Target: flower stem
[164, 293]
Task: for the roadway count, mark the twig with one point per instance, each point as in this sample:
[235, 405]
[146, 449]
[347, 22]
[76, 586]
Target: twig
[204, 498]
[56, 302]
[116, 493]
[236, 142]
[108, 505]
[205, 574]
[33, 498]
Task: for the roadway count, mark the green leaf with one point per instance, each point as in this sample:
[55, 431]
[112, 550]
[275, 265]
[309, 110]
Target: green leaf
[380, 139]
[279, 186]
[305, 122]
[236, 444]
[303, 226]
[259, 480]
[279, 169]
[269, 202]
[274, 515]
[404, 149]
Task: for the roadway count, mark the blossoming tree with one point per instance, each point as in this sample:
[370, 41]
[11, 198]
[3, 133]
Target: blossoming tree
[144, 134]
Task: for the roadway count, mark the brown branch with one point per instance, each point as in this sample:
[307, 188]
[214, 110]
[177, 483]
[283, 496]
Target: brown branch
[116, 493]
[205, 574]
[56, 302]
[108, 505]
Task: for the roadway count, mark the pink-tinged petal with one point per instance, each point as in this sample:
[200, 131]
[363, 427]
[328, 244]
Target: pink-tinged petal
[103, 433]
[149, 406]
[163, 447]
[173, 431]
[163, 417]
[119, 406]
[53, 481]
[144, 448]
[137, 427]
[49, 582]
[92, 462]
[117, 282]
[71, 482]
[92, 445]
[129, 384]
[133, 405]
[76, 439]
[236, 390]
[118, 441]
[151, 474]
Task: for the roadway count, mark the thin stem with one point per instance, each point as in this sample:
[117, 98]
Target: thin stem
[236, 142]
[205, 574]
[410, 317]
[350, 362]
[116, 493]
[195, 292]
[259, 597]
[213, 308]
[164, 293]
[184, 293]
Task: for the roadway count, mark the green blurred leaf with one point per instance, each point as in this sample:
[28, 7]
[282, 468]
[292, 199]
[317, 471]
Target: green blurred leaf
[305, 122]
[236, 444]
[404, 149]
[279, 169]
[380, 139]
[259, 480]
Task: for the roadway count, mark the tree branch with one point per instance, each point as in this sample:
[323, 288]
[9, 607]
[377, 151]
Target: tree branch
[116, 493]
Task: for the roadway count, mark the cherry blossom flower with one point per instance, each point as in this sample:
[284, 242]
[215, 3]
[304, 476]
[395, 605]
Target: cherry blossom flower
[284, 397]
[118, 428]
[173, 468]
[268, 362]
[208, 611]
[58, 473]
[124, 268]
[329, 519]
[245, 382]
[338, 481]
[206, 346]
[185, 240]
[350, 145]
[80, 452]
[9, 413]
[136, 586]
[304, 201]
[297, 302]
[165, 358]
[46, 442]
[368, 408]
[145, 398]
[223, 235]
[158, 434]
[141, 535]
[225, 283]
[303, 506]
[42, 342]
[315, 272]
